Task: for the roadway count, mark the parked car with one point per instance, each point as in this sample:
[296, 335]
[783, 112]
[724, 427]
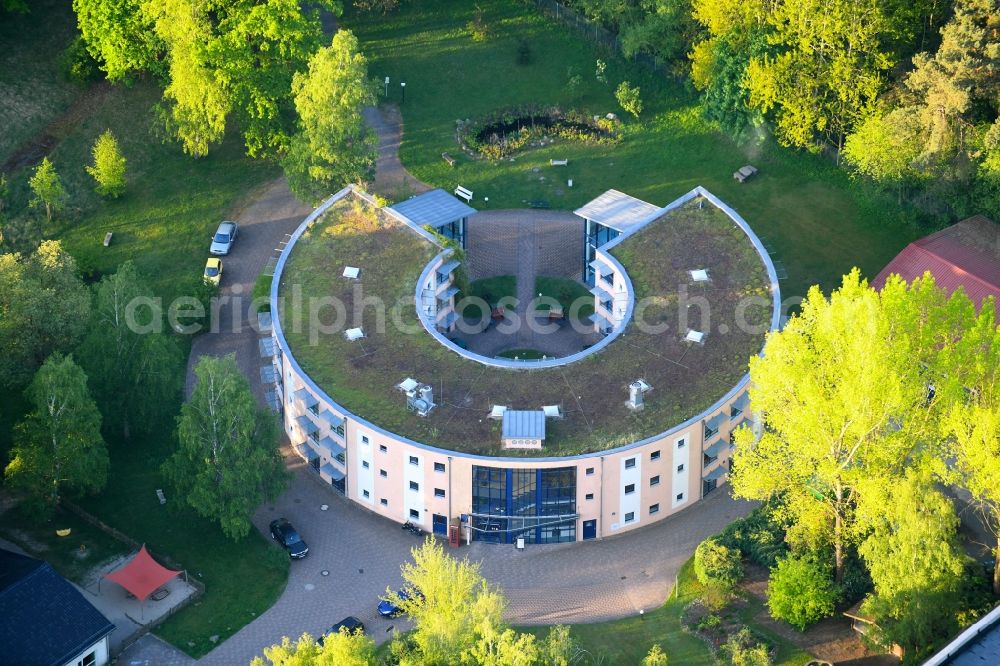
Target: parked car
[283, 532]
[225, 236]
[388, 608]
[213, 271]
[350, 623]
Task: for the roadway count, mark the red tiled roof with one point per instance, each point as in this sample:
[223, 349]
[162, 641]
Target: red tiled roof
[966, 254]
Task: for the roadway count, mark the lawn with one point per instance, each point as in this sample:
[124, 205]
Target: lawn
[171, 206]
[566, 292]
[811, 215]
[491, 290]
[362, 376]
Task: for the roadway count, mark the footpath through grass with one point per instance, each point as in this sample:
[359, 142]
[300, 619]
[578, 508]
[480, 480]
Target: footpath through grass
[807, 210]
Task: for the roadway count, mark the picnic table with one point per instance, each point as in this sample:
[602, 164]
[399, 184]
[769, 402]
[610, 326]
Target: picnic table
[745, 172]
[497, 313]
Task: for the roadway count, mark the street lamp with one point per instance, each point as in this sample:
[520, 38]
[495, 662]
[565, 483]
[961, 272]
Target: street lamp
[387, 87]
[402, 85]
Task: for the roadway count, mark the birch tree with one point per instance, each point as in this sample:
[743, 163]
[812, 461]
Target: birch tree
[227, 462]
[58, 447]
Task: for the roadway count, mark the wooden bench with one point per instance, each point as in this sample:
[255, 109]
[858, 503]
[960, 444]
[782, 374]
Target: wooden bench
[745, 172]
[161, 496]
[558, 162]
[464, 193]
[448, 158]
[107, 238]
[538, 203]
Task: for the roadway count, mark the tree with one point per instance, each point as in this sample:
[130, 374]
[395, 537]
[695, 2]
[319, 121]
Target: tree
[227, 462]
[843, 393]
[340, 649]
[118, 36]
[743, 649]
[333, 146]
[655, 657]
[132, 371]
[44, 308]
[827, 73]
[915, 560]
[715, 564]
[58, 447]
[109, 166]
[885, 147]
[628, 98]
[47, 188]
[800, 590]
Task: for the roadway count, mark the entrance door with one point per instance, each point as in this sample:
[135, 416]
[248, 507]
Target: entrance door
[440, 524]
[589, 529]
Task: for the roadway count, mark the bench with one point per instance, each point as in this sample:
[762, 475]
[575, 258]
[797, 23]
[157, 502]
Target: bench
[448, 158]
[464, 193]
[538, 203]
[161, 496]
[558, 162]
[107, 238]
[745, 172]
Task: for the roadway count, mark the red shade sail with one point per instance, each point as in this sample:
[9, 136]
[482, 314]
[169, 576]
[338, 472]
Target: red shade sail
[142, 575]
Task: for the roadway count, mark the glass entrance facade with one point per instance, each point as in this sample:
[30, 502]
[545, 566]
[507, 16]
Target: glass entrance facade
[536, 504]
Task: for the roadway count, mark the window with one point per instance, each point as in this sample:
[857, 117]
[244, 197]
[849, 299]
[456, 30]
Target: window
[629, 489]
[630, 517]
[680, 468]
[384, 502]
[655, 480]
[365, 464]
[680, 497]
[654, 508]
[366, 494]
[414, 460]
[439, 492]
[414, 485]
[606, 305]
[382, 448]
[89, 660]
[339, 430]
[365, 440]
[590, 471]
[681, 443]
[589, 496]
[438, 467]
[655, 455]
[630, 463]
[414, 514]
[384, 474]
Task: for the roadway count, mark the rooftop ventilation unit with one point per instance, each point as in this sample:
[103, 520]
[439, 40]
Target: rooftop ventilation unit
[636, 394]
[353, 334]
[420, 400]
[696, 337]
[699, 275]
[352, 273]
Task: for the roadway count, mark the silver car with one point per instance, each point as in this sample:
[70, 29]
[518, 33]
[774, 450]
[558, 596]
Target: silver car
[222, 241]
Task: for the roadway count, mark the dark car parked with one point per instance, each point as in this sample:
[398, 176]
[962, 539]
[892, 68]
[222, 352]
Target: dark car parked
[387, 608]
[350, 623]
[283, 532]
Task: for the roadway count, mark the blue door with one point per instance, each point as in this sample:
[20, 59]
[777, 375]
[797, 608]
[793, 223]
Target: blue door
[589, 529]
[440, 524]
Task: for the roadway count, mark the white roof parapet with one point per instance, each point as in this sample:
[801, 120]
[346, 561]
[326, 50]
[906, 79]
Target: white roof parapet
[619, 211]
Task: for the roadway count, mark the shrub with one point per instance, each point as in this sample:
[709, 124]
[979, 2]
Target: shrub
[629, 99]
[477, 26]
[760, 536]
[77, 64]
[655, 657]
[109, 166]
[743, 649]
[715, 564]
[801, 590]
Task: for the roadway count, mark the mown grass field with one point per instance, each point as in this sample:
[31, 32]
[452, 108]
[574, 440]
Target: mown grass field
[162, 223]
[816, 222]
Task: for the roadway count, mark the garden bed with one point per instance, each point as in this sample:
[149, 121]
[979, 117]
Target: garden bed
[505, 132]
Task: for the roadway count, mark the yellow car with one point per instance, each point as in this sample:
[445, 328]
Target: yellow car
[213, 271]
